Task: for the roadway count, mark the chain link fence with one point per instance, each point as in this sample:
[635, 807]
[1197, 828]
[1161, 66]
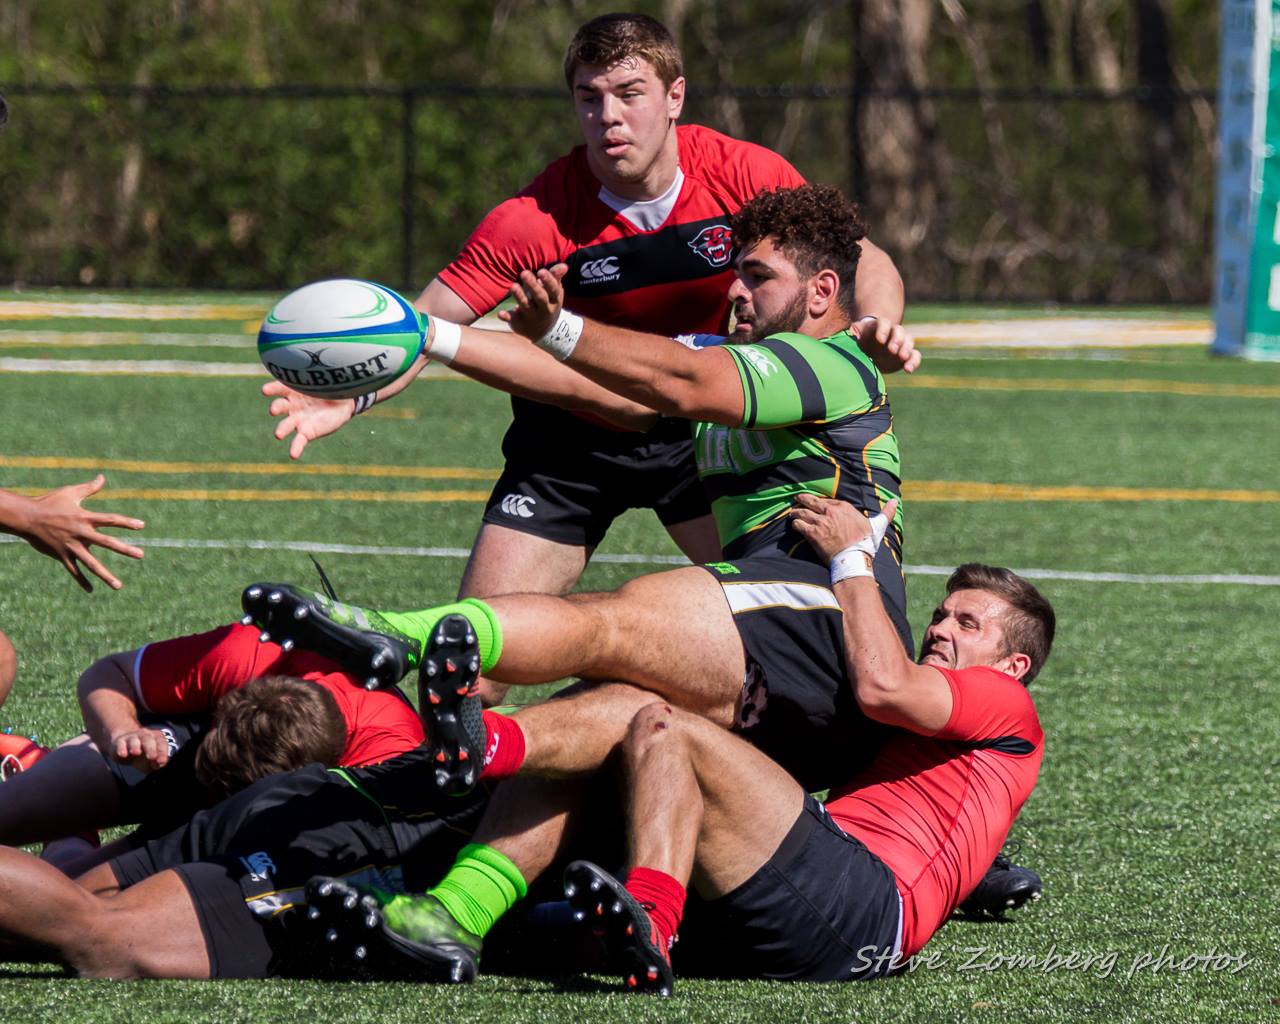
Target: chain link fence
[1007, 195]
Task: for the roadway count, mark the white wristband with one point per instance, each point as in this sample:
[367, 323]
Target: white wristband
[364, 402]
[852, 561]
[444, 346]
[563, 337]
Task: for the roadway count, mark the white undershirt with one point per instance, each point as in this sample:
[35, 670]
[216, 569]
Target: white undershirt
[646, 214]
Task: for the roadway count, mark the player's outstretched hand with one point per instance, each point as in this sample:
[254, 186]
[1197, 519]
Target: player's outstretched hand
[56, 525]
[306, 417]
[890, 346]
[830, 525]
[539, 299]
[144, 749]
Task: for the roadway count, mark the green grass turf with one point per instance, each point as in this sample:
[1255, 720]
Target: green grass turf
[1154, 823]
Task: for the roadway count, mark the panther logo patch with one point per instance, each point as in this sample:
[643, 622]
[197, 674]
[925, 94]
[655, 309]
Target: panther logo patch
[714, 244]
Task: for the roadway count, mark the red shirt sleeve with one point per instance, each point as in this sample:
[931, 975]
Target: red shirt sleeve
[189, 674]
[990, 708]
[380, 724]
[516, 235]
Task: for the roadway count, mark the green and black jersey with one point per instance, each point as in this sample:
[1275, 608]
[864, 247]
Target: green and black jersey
[816, 418]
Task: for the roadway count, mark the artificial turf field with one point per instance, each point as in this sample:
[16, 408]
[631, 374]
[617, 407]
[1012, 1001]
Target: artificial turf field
[1140, 488]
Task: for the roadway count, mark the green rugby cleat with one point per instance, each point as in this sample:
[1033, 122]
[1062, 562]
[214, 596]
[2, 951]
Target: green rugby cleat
[361, 641]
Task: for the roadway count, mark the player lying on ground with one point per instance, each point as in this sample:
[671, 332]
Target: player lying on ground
[640, 213]
[150, 711]
[790, 889]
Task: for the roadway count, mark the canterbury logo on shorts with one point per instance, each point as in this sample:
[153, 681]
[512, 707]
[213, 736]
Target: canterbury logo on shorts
[519, 505]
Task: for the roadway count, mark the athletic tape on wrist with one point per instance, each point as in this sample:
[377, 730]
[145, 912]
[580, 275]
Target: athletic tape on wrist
[444, 346]
[563, 337]
[852, 561]
[364, 402]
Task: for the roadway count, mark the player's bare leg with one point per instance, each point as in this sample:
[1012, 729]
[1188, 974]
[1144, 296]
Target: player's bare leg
[703, 804]
[668, 632]
[149, 930]
[65, 792]
[506, 561]
[698, 539]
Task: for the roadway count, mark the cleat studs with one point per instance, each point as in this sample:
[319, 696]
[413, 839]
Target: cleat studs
[652, 973]
[359, 952]
[254, 592]
[331, 935]
[275, 597]
[371, 921]
[286, 646]
[433, 696]
[570, 890]
[631, 930]
[579, 915]
[449, 666]
[247, 620]
[349, 901]
[1010, 902]
[470, 638]
[264, 636]
[473, 665]
[431, 668]
[325, 888]
[378, 660]
[463, 755]
[462, 691]
[371, 683]
[440, 756]
[301, 612]
[596, 885]
[599, 910]
[313, 913]
[631, 981]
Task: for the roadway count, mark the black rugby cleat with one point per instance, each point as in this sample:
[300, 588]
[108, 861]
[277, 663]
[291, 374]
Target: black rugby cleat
[367, 934]
[361, 641]
[1005, 886]
[600, 902]
[450, 707]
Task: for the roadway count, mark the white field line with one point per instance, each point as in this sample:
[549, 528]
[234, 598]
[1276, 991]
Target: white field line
[318, 547]
[166, 368]
[1065, 332]
[122, 339]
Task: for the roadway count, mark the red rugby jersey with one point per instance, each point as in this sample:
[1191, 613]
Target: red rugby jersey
[936, 809]
[189, 674]
[673, 279]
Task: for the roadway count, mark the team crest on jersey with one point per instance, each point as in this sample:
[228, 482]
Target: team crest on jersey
[714, 244]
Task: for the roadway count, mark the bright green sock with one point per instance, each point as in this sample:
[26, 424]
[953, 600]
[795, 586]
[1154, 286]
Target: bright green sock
[481, 886]
[484, 621]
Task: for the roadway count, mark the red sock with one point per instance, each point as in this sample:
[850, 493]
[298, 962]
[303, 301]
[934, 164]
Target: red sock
[503, 746]
[662, 896]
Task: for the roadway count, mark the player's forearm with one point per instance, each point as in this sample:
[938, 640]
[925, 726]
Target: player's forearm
[877, 288]
[879, 668]
[659, 373]
[503, 361]
[107, 702]
[16, 513]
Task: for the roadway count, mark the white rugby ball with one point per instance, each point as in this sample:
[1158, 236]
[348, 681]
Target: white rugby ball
[340, 338]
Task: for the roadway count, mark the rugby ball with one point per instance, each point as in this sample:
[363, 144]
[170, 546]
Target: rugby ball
[340, 338]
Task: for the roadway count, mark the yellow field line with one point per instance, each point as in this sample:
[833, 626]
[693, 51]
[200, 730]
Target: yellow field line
[247, 468]
[1125, 386]
[21, 310]
[931, 491]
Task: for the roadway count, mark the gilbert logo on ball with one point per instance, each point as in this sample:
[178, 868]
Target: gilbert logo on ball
[340, 338]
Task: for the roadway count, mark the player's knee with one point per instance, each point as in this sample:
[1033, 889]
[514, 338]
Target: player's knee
[651, 726]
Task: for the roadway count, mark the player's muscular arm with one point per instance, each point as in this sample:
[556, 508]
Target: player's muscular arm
[888, 686]
[110, 711]
[511, 364]
[695, 384]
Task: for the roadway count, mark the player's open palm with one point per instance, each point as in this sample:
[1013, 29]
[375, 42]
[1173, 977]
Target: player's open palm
[306, 417]
[62, 528]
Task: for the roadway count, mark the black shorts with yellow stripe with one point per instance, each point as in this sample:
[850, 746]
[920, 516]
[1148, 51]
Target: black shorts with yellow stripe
[246, 862]
[797, 702]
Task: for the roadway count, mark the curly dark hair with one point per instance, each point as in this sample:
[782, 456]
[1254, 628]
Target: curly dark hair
[269, 725]
[1030, 623]
[612, 38]
[815, 225]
